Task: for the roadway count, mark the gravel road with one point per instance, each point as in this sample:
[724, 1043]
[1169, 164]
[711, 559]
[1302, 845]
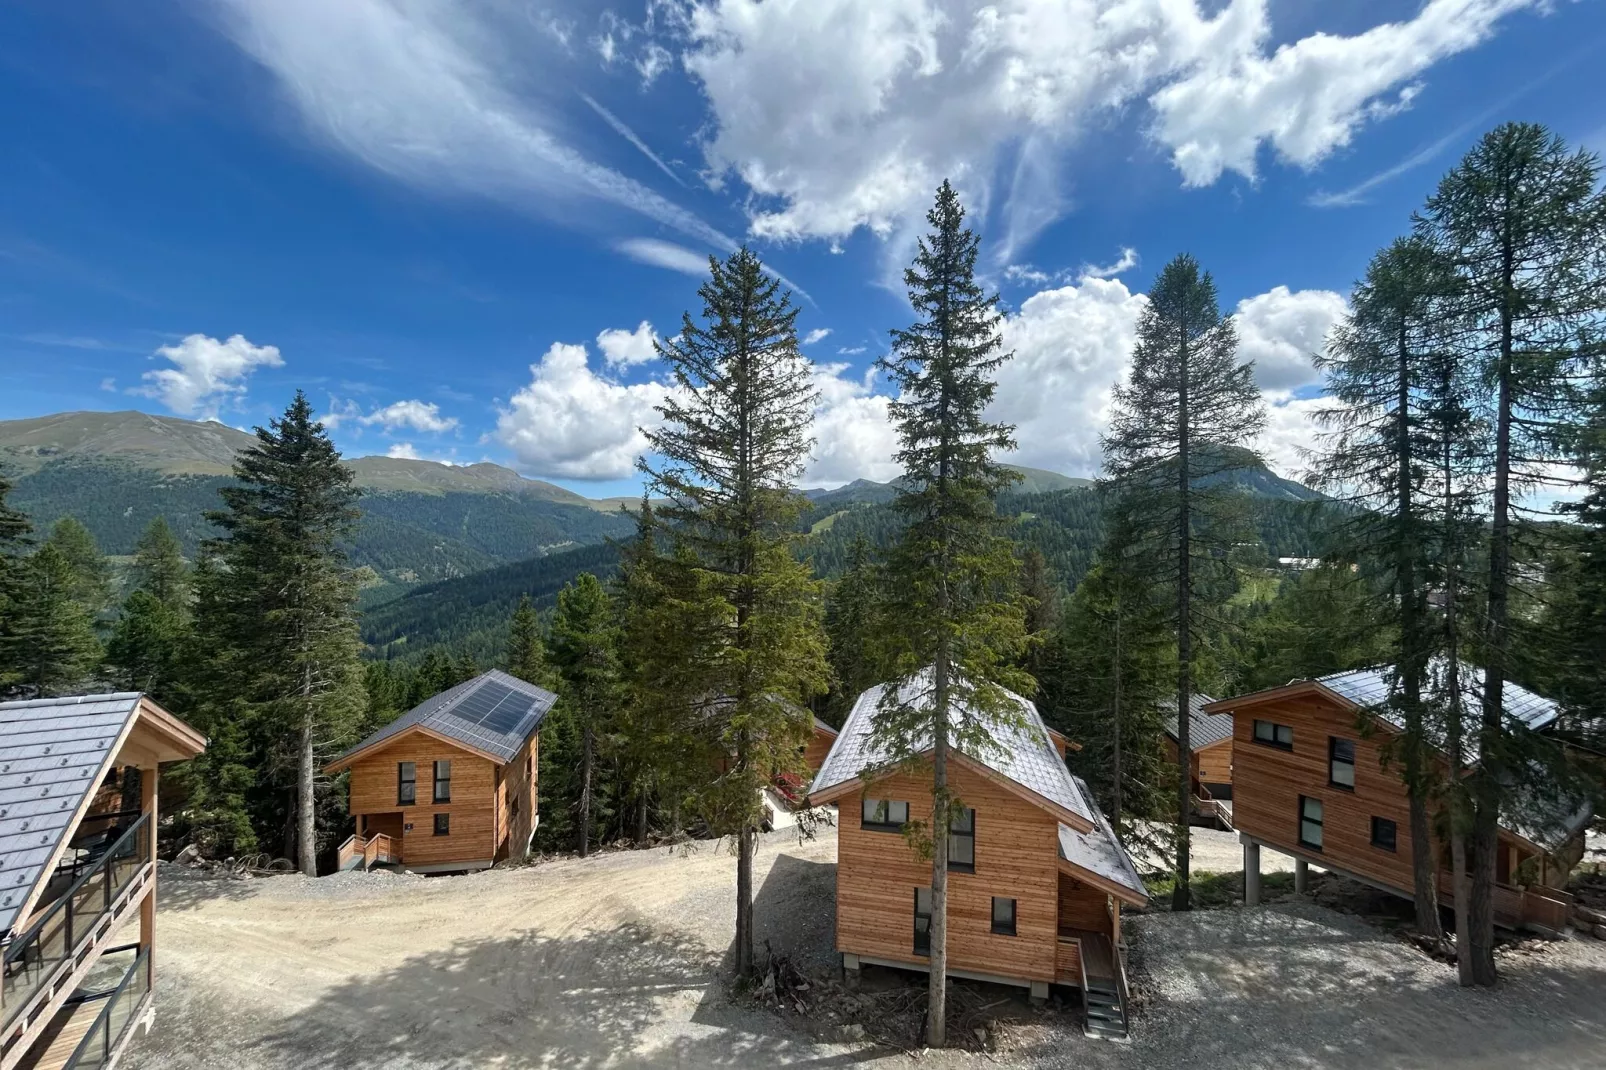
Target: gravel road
[615, 961]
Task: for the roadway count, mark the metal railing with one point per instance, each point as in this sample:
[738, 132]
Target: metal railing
[99, 1044]
[33, 958]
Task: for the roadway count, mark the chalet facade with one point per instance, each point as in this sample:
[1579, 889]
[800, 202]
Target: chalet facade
[1037, 877]
[1309, 784]
[451, 785]
[1210, 741]
[78, 817]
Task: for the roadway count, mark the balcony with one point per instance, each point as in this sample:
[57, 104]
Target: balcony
[92, 1026]
[84, 903]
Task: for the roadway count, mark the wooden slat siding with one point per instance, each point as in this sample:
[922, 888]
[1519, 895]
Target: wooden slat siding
[1213, 764]
[1016, 857]
[373, 792]
[819, 746]
[1068, 962]
[1268, 781]
[518, 784]
[1082, 906]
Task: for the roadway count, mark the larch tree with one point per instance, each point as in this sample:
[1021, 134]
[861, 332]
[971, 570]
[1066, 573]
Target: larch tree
[853, 619]
[1178, 421]
[585, 653]
[526, 652]
[955, 623]
[15, 539]
[150, 640]
[159, 566]
[92, 577]
[1522, 222]
[292, 597]
[1374, 457]
[734, 440]
[55, 645]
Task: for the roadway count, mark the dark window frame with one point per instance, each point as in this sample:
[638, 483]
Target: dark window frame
[1393, 844]
[1319, 822]
[446, 780]
[1005, 928]
[1273, 739]
[406, 783]
[922, 937]
[443, 824]
[1333, 762]
[963, 867]
[883, 824]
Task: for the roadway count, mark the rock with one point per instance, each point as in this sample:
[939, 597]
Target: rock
[981, 1036]
[852, 1031]
[188, 855]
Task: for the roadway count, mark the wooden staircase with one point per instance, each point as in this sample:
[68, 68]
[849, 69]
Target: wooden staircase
[1104, 1006]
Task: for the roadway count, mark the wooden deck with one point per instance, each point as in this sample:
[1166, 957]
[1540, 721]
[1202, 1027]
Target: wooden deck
[62, 1036]
[1097, 954]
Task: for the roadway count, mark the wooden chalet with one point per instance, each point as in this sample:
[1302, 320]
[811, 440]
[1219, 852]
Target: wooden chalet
[78, 817]
[1210, 741]
[450, 785]
[1037, 877]
[1307, 782]
[819, 746]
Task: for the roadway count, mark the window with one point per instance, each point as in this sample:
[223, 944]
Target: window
[884, 815]
[1003, 916]
[1274, 735]
[922, 921]
[406, 783]
[443, 782]
[443, 824]
[1384, 833]
[1341, 763]
[1310, 823]
[962, 842]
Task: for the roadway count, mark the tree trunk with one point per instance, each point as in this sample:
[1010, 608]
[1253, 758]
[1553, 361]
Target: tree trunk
[306, 838]
[641, 815]
[587, 746]
[1181, 894]
[1115, 756]
[746, 841]
[937, 995]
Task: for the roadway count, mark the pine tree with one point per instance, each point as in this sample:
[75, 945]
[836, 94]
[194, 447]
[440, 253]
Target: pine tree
[526, 654]
[146, 647]
[91, 575]
[1180, 419]
[734, 440]
[1041, 597]
[15, 532]
[293, 600]
[1374, 456]
[55, 645]
[1522, 221]
[159, 566]
[585, 652]
[852, 626]
[955, 625]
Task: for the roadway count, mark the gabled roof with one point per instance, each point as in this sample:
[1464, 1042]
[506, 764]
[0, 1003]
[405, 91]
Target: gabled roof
[493, 713]
[1101, 852]
[821, 726]
[54, 753]
[1023, 756]
[1204, 728]
[1370, 688]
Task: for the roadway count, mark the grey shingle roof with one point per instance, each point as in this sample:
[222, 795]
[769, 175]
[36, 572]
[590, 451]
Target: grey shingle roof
[1024, 754]
[1100, 851]
[1203, 728]
[1370, 687]
[53, 753]
[493, 712]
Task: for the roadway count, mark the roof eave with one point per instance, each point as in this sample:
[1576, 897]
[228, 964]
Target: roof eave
[346, 760]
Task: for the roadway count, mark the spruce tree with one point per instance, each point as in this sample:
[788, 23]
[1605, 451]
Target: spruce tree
[1179, 420]
[159, 567]
[1373, 457]
[55, 646]
[526, 654]
[853, 619]
[91, 575]
[585, 653]
[293, 600]
[1522, 221]
[15, 532]
[147, 645]
[734, 440]
[955, 624]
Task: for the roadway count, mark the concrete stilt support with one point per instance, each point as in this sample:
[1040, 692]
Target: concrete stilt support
[1301, 875]
[1039, 991]
[1251, 873]
[850, 970]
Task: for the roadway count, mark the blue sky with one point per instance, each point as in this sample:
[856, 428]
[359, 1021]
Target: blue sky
[448, 222]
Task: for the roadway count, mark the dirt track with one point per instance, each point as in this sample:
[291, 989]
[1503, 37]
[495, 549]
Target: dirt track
[615, 962]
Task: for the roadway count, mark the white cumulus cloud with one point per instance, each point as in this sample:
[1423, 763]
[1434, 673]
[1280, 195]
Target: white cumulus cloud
[621, 348]
[570, 421]
[1281, 330]
[207, 374]
[418, 415]
[819, 334]
[853, 437]
[402, 451]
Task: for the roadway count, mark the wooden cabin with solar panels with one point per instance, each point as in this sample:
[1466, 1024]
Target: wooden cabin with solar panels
[450, 785]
